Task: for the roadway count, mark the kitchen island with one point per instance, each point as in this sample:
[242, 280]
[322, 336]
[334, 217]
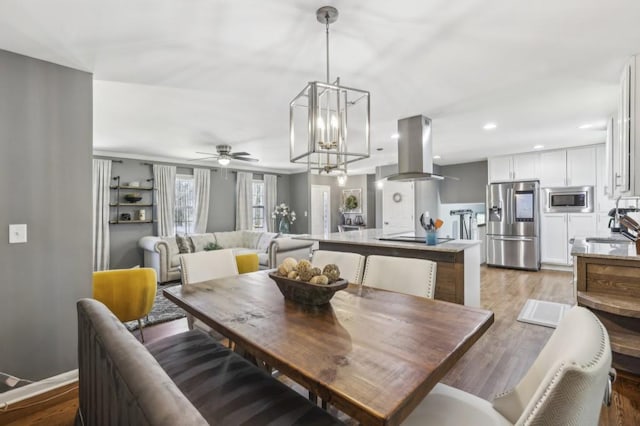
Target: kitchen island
[458, 270]
[608, 283]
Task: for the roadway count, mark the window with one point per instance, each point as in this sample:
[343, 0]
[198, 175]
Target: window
[258, 206]
[185, 206]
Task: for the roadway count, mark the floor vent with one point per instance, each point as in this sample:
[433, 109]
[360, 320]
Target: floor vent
[540, 312]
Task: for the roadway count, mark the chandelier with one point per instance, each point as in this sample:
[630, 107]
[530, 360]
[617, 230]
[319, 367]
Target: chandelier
[329, 123]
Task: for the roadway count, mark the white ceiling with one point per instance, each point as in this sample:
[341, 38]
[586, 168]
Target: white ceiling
[175, 77]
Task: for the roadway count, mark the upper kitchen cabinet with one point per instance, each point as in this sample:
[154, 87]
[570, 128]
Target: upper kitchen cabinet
[624, 163]
[570, 167]
[553, 168]
[513, 167]
[581, 162]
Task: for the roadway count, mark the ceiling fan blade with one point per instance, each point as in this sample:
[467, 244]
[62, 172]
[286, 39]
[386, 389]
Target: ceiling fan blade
[246, 159]
[209, 156]
[238, 154]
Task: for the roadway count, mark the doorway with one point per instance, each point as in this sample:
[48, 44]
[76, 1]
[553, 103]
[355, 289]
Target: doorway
[398, 206]
[320, 209]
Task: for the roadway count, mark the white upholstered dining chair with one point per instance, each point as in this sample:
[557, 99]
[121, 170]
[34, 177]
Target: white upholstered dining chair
[351, 265]
[204, 266]
[401, 274]
[564, 386]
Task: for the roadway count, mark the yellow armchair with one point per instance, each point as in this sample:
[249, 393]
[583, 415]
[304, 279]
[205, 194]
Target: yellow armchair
[128, 293]
[247, 262]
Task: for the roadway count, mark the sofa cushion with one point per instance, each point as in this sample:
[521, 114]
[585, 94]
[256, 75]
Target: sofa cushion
[200, 241]
[265, 240]
[229, 239]
[250, 239]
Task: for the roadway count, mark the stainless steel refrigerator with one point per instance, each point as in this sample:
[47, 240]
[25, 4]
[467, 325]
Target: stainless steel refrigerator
[513, 225]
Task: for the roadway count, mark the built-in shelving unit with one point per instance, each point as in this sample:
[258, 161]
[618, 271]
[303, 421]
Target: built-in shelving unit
[120, 206]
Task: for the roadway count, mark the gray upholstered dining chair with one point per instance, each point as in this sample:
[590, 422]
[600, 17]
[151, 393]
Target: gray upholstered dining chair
[564, 386]
[204, 266]
[401, 274]
[351, 265]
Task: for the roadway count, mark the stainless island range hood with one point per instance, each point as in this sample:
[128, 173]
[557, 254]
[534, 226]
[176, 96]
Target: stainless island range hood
[414, 150]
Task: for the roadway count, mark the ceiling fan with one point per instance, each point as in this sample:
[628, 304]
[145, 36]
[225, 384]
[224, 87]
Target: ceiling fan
[224, 155]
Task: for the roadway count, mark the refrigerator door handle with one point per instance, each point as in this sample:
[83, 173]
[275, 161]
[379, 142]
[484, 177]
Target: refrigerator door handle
[511, 239]
[510, 206]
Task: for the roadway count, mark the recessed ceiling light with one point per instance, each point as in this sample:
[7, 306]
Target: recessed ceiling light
[395, 136]
[490, 126]
[538, 146]
[436, 157]
[585, 126]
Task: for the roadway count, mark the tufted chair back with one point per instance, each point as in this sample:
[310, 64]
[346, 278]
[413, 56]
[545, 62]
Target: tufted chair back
[351, 265]
[207, 265]
[401, 274]
[566, 383]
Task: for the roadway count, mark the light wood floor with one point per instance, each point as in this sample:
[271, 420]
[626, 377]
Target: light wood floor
[506, 351]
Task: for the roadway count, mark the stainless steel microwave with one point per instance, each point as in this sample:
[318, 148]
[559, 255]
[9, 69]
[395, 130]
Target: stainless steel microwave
[568, 199]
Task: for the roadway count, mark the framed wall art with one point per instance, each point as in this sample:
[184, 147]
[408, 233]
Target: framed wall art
[352, 200]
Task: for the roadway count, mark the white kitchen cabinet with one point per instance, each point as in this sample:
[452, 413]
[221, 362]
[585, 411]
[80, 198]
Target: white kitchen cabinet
[603, 203]
[602, 223]
[553, 168]
[500, 169]
[553, 238]
[581, 162]
[525, 166]
[579, 225]
[556, 229]
[513, 167]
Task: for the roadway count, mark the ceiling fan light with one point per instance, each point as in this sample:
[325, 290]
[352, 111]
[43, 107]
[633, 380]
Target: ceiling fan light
[223, 161]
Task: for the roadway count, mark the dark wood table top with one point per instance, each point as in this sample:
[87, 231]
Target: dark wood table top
[373, 354]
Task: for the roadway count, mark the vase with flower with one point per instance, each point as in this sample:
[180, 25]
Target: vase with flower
[283, 217]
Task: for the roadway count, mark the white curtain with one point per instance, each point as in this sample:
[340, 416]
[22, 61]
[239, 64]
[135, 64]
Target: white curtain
[101, 196]
[201, 183]
[270, 200]
[244, 203]
[165, 183]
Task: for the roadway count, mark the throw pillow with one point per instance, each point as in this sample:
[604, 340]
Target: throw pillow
[184, 244]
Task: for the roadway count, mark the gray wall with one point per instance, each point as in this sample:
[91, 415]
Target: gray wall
[300, 189]
[45, 182]
[471, 186]
[124, 237]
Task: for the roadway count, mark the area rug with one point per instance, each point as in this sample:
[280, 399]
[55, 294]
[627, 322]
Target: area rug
[540, 312]
[163, 310]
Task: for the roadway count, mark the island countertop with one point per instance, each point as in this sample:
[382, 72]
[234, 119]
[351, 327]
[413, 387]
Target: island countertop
[371, 237]
[622, 250]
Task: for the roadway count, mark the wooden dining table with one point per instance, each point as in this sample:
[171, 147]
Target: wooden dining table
[371, 353]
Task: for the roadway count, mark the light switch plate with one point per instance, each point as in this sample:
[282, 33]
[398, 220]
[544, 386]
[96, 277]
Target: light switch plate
[18, 233]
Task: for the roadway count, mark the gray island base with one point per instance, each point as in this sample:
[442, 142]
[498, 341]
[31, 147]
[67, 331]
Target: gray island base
[458, 271]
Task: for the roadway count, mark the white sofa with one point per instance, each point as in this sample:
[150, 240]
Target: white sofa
[163, 254]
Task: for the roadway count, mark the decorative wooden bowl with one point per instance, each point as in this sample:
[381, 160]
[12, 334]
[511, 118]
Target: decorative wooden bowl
[133, 198]
[307, 293]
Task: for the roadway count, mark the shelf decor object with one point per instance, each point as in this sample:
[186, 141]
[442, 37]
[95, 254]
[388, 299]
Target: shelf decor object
[133, 198]
[318, 125]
